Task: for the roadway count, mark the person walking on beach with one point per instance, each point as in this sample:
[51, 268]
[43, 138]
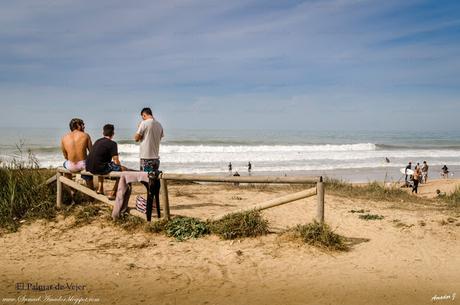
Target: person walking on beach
[424, 172]
[445, 172]
[249, 168]
[104, 159]
[409, 166]
[230, 168]
[416, 179]
[149, 134]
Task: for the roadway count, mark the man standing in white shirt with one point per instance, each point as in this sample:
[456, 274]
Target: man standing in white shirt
[149, 134]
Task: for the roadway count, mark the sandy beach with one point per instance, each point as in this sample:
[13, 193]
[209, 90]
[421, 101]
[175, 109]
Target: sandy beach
[409, 257]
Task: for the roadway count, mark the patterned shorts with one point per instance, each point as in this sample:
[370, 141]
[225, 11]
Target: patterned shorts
[150, 165]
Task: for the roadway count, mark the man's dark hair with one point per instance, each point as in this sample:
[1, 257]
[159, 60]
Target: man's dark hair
[147, 111]
[75, 123]
[108, 130]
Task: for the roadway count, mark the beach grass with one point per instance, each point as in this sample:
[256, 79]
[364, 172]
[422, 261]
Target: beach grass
[87, 213]
[24, 194]
[374, 191]
[319, 235]
[238, 225]
[128, 222]
[156, 226]
[371, 216]
[453, 199]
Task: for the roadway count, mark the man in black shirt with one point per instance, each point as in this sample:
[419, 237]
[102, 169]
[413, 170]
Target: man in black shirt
[103, 159]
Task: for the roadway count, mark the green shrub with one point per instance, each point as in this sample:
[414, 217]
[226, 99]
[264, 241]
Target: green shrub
[183, 228]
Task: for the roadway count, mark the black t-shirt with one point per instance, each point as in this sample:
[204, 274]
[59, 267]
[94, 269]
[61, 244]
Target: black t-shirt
[101, 155]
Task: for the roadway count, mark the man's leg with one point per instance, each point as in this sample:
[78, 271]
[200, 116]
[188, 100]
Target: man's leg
[100, 185]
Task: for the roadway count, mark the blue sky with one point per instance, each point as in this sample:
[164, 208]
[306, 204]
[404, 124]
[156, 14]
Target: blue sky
[339, 64]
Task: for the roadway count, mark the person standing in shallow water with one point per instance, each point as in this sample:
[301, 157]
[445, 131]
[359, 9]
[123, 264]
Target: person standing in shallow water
[230, 168]
[249, 167]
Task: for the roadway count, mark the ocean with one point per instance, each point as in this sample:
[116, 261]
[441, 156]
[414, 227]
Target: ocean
[352, 156]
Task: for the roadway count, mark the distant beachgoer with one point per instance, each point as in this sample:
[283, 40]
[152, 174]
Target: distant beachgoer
[236, 174]
[149, 133]
[440, 194]
[103, 159]
[416, 179]
[249, 167]
[445, 172]
[425, 172]
[387, 160]
[409, 166]
[230, 167]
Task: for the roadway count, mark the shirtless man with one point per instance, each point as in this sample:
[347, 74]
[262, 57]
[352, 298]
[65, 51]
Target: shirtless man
[75, 146]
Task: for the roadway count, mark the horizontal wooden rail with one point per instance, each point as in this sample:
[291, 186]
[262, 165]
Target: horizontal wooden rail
[109, 175]
[208, 178]
[240, 179]
[273, 202]
[318, 190]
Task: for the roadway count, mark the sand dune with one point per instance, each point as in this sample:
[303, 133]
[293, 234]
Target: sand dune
[409, 257]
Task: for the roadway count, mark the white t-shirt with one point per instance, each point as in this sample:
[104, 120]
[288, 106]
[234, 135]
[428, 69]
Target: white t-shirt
[151, 132]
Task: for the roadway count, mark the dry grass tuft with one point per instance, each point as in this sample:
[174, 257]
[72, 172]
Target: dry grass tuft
[237, 225]
[319, 235]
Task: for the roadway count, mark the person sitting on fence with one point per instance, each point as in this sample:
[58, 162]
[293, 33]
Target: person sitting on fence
[103, 159]
[75, 145]
[445, 172]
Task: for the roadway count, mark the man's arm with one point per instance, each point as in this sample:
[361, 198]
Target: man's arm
[89, 144]
[64, 152]
[137, 137]
[140, 132]
[116, 160]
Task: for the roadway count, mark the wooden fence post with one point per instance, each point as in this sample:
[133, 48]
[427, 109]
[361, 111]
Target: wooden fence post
[58, 190]
[164, 197]
[320, 197]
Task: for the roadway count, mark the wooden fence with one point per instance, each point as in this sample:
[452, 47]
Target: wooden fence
[164, 198]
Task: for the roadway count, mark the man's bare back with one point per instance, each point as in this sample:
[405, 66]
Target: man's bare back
[75, 145]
